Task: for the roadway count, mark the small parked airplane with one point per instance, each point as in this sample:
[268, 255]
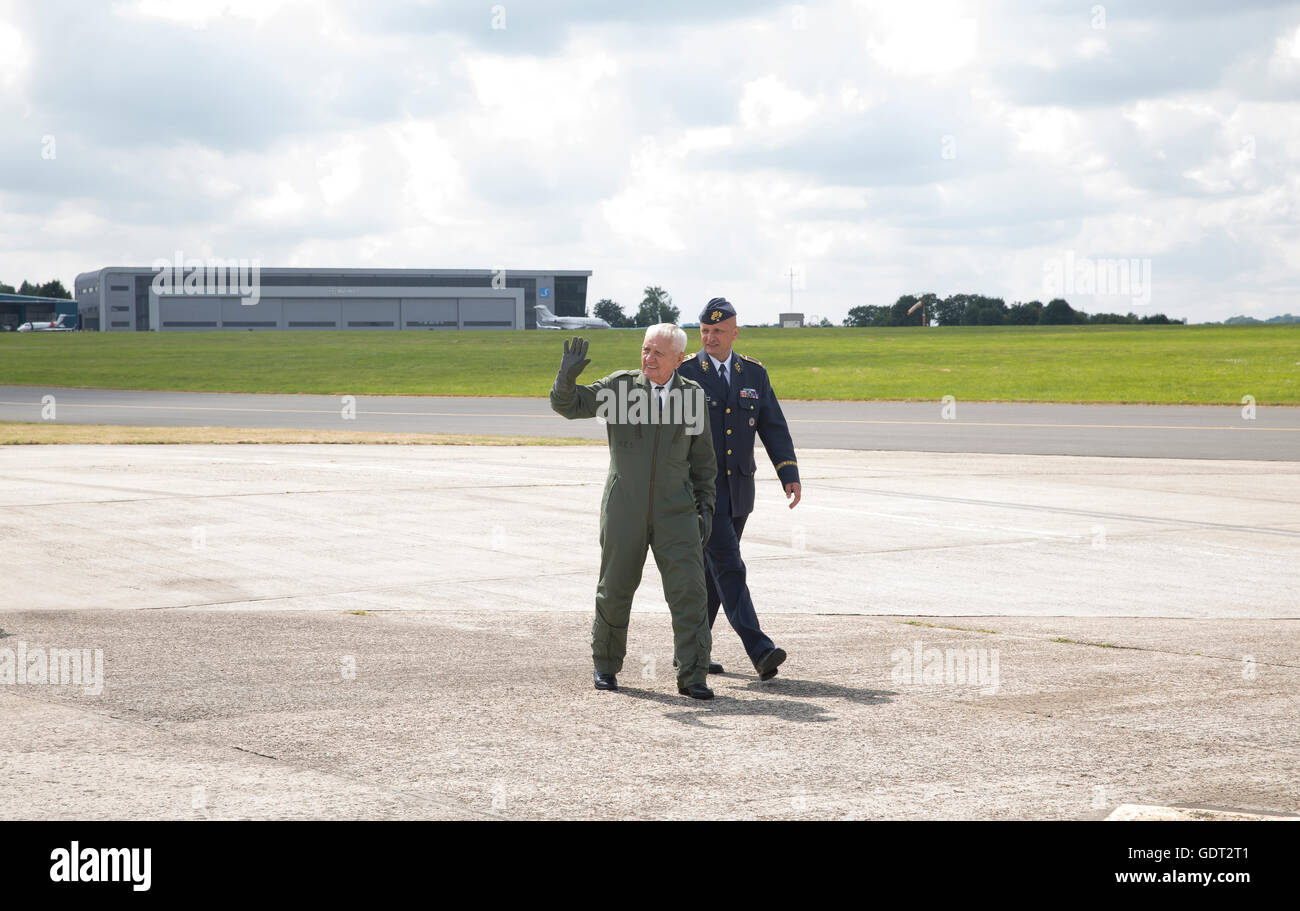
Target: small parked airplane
[56, 326]
[548, 320]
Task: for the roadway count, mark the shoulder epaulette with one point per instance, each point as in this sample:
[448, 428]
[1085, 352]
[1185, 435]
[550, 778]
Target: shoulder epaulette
[748, 358]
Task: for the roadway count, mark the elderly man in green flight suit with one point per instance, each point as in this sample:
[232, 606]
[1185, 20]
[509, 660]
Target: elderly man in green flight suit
[658, 494]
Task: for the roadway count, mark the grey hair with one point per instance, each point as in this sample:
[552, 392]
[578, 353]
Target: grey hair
[677, 334]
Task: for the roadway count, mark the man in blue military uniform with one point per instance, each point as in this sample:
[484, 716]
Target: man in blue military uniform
[741, 404]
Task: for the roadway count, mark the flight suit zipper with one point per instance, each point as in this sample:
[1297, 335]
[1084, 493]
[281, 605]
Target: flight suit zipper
[654, 460]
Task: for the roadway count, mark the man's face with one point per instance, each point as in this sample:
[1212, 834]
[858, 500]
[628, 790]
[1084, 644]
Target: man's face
[659, 358]
[718, 338]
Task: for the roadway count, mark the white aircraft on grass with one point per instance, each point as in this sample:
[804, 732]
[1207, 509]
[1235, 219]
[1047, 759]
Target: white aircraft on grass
[56, 326]
[548, 320]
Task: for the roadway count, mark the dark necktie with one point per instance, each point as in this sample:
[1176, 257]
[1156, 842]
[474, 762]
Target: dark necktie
[722, 372]
[659, 395]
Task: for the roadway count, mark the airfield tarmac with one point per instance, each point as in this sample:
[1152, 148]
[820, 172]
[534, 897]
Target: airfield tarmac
[1261, 432]
[381, 632]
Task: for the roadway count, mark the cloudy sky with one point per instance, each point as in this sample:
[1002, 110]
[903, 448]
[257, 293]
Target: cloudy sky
[877, 149]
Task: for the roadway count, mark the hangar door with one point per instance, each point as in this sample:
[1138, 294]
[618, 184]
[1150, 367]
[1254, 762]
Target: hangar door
[430, 313]
[487, 313]
[188, 312]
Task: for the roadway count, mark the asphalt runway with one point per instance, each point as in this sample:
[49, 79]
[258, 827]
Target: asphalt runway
[482, 528]
[332, 631]
[1144, 431]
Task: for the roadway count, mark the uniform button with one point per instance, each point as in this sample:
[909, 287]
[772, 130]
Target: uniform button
[728, 471]
[728, 430]
[728, 452]
[728, 411]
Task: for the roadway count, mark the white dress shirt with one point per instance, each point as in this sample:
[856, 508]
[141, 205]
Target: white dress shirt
[661, 391]
[717, 365]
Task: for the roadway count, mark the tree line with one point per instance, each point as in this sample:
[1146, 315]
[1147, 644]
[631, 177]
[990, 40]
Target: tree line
[1251, 321]
[978, 310]
[49, 289]
[954, 310]
[656, 307]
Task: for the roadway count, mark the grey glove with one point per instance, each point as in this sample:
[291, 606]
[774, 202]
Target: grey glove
[706, 525]
[574, 362]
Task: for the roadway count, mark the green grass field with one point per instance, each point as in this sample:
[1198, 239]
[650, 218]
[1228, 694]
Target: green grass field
[1163, 364]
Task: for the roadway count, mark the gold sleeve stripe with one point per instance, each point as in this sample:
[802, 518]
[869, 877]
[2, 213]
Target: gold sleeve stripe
[781, 465]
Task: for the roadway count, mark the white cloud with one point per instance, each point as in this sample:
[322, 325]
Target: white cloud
[285, 201]
[1093, 47]
[199, 13]
[536, 99]
[703, 138]
[15, 56]
[1051, 132]
[430, 177]
[340, 172]
[922, 37]
[702, 152]
[768, 104]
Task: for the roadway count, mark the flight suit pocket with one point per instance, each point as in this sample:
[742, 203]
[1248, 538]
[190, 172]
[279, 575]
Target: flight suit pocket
[611, 487]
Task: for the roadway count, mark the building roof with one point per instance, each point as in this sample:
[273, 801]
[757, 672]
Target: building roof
[33, 299]
[358, 273]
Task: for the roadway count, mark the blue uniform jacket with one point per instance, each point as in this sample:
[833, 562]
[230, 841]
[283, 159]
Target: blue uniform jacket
[749, 408]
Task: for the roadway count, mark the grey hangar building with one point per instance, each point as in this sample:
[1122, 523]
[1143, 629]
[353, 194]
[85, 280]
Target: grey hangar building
[127, 299]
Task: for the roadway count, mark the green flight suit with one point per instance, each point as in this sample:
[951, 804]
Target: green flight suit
[660, 477]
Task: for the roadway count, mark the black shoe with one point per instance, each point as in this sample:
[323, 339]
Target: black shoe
[605, 681]
[714, 667]
[696, 691]
[768, 664]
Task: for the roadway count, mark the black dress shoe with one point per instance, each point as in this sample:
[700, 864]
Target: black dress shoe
[696, 691]
[768, 664]
[605, 681]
